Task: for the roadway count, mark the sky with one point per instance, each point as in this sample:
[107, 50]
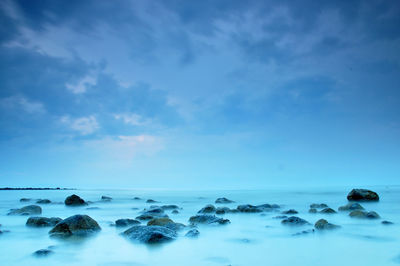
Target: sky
[224, 94]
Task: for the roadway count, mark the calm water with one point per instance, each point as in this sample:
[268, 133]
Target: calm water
[250, 239]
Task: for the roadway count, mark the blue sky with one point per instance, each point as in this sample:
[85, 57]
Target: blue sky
[199, 94]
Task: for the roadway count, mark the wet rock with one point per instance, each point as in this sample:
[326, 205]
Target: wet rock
[351, 206]
[280, 217]
[43, 252]
[144, 217]
[42, 221]
[249, 208]
[106, 198]
[364, 214]
[126, 222]
[166, 222]
[328, 211]
[291, 211]
[318, 206]
[305, 232]
[294, 221]
[150, 234]
[74, 200]
[207, 219]
[312, 210]
[192, 233]
[323, 224]
[175, 211]
[151, 201]
[208, 209]
[137, 198]
[223, 201]
[81, 225]
[43, 201]
[362, 195]
[169, 207]
[24, 200]
[222, 210]
[387, 222]
[27, 210]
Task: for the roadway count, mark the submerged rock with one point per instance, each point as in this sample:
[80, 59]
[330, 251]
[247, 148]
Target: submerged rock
[223, 200]
[208, 209]
[323, 224]
[294, 220]
[249, 208]
[151, 201]
[24, 200]
[106, 198]
[312, 210]
[362, 195]
[222, 210]
[364, 214]
[42, 221]
[169, 207]
[387, 222]
[43, 252]
[318, 206]
[126, 222]
[192, 233]
[150, 234]
[43, 201]
[305, 232]
[166, 222]
[137, 198]
[175, 212]
[93, 208]
[351, 206]
[27, 210]
[207, 219]
[328, 210]
[81, 225]
[280, 217]
[291, 211]
[74, 200]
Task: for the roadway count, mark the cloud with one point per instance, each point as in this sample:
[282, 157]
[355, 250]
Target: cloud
[82, 85]
[131, 119]
[22, 103]
[83, 125]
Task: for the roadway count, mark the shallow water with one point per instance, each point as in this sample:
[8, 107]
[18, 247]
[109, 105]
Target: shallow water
[250, 239]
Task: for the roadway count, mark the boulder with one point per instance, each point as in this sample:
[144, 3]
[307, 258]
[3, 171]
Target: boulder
[312, 210]
[150, 234]
[351, 206]
[328, 211]
[207, 219]
[42, 221]
[81, 225]
[223, 201]
[126, 222]
[323, 224]
[364, 214]
[166, 222]
[249, 208]
[27, 210]
[291, 211]
[222, 210]
[294, 221]
[192, 233]
[43, 252]
[208, 209]
[318, 205]
[362, 195]
[43, 201]
[74, 200]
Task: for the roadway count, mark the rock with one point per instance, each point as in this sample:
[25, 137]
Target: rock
[74, 200]
[387, 222]
[105, 198]
[207, 209]
[207, 219]
[166, 222]
[192, 233]
[351, 206]
[280, 217]
[294, 220]
[43, 201]
[27, 210]
[175, 211]
[126, 222]
[249, 208]
[24, 200]
[364, 214]
[291, 211]
[223, 201]
[81, 225]
[145, 216]
[222, 210]
[137, 198]
[93, 208]
[328, 211]
[318, 206]
[150, 234]
[151, 201]
[43, 252]
[169, 207]
[323, 224]
[362, 195]
[305, 232]
[312, 210]
[42, 221]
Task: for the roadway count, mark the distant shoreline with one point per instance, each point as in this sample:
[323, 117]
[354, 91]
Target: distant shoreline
[36, 188]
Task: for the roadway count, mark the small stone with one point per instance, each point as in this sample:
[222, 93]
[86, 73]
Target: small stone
[126, 222]
[106, 198]
[223, 201]
[43, 252]
[351, 206]
[151, 201]
[43, 201]
[192, 233]
[294, 221]
[312, 210]
[328, 211]
[318, 205]
[291, 211]
[27, 210]
[387, 222]
[362, 195]
[74, 200]
[323, 224]
[208, 209]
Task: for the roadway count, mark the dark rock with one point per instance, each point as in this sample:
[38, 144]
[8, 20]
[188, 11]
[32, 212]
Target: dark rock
[27, 210]
[323, 224]
[93, 208]
[291, 211]
[74, 200]
[43, 252]
[24, 200]
[362, 195]
[126, 222]
[387, 222]
[223, 201]
[169, 207]
[222, 210]
[81, 225]
[167, 223]
[294, 220]
[105, 198]
[42, 221]
[328, 211]
[318, 205]
[249, 208]
[305, 232]
[280, 217]
[208, 209]
[175, 211]
[150, 234]
[312, 210]
[43, 201]
[137, 198]
[351, 206]
[207, 219]
[192, 233]
[364, 214]
[151, 201]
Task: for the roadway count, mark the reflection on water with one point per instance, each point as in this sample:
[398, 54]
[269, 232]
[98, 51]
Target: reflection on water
[250, 239]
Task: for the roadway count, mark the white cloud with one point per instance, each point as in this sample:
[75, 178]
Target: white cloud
[21, 102]
[84, 125]
[131, 119]
[82, 85]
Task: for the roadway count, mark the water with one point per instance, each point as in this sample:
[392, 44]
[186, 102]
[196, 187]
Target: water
[250, 239]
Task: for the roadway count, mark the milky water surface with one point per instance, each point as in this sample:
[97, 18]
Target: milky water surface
[250, 239]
